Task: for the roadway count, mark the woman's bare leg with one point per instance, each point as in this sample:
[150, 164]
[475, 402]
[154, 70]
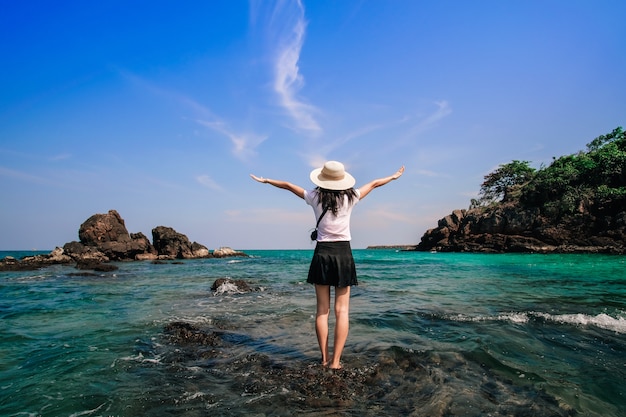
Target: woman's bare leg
[342, 315]
[322, 293]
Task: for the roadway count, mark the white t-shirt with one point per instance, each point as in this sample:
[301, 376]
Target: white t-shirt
[332, 228]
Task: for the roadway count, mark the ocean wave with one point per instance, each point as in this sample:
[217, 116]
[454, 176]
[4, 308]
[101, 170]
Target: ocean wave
[140, 358]
[32, 278]
[88, 412]
[188, 396]
[602, 321]
[194, 319]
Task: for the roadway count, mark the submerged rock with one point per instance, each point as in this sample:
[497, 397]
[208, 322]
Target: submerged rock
[231, 286]
[185, 333]
[96, 266]
[388, 381]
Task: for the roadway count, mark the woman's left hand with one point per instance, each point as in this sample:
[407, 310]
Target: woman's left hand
[259, 179]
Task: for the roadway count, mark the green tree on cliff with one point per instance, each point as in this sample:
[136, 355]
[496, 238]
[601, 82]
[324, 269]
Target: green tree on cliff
[502, 181]
[570, 184]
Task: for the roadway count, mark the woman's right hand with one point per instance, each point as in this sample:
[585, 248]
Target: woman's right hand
[398, 173]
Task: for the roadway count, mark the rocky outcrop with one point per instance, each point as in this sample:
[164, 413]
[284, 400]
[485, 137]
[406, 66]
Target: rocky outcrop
[29, 263]
[512, 228]
[173, 245]
[391, 247]
[104, 238]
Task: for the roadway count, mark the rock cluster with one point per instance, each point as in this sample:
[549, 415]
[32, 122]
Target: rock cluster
[511, 228]
[34, 262]
[104, 238]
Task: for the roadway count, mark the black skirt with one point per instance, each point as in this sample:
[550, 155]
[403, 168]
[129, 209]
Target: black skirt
[333, 264]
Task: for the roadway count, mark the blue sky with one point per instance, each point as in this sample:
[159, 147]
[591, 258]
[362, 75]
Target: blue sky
[160, 109]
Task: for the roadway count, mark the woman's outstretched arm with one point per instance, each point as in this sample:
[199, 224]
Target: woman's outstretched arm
[296, 189]
[367, 188]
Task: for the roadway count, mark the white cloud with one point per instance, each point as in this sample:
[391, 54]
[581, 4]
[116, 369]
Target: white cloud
[271, 216]
[412, 126]
[382, 216]
[208, 182]
[321, 151]
[243, 144]
[431, 174]
[60, 157]
[23, 176]
[442, 110]
[288, 22]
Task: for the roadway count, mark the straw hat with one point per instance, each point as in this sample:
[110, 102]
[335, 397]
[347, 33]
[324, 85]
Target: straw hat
[332, 176]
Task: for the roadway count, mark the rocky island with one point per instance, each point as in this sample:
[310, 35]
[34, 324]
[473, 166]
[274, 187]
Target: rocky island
[104, 238]
[577, 204]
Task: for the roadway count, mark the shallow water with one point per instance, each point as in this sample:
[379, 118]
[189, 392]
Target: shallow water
[431, 335]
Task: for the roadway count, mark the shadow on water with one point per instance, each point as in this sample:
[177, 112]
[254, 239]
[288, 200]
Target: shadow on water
[195, 370]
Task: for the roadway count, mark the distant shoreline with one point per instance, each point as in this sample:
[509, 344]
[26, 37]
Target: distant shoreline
[397, 247]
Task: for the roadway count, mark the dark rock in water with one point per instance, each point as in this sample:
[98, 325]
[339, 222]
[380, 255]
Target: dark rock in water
[104, 238]
[82, 253]
[82, 274]
[392, 381]
[184, 334]
[96, 266]
[108, 234]
[29, 263]
[227, 285]
[101, 228]
[173, 245]
[56, 257]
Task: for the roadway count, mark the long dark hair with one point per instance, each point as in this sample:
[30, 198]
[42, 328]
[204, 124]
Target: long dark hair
[333, 199]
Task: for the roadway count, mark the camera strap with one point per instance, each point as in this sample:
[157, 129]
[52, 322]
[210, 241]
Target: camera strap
[320, 219]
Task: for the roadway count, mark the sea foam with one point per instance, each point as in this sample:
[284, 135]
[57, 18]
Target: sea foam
[603, 321]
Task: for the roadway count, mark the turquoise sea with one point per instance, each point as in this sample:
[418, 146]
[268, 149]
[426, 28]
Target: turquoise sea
[432, 334]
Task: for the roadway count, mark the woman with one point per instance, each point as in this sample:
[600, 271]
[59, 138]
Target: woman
[332, 263]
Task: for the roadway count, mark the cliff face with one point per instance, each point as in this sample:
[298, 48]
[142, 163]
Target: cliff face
[576, 204]
[510, 227]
